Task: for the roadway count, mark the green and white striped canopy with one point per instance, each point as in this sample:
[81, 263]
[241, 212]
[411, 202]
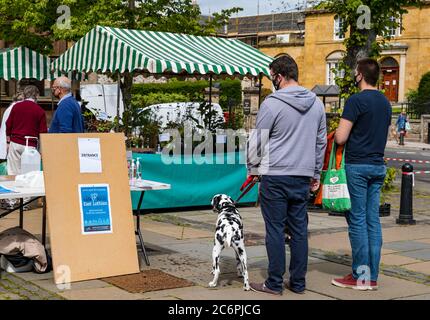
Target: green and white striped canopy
[23, 63]
[111, 49]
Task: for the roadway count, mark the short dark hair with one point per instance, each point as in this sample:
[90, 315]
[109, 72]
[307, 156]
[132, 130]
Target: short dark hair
[286, 67]
[370, 70]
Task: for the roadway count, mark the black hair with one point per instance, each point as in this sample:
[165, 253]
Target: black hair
[286, 67]
[370, 70]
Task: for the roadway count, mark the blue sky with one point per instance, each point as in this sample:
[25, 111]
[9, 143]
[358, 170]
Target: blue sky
[249, 6]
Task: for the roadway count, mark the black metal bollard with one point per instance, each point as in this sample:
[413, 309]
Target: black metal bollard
[406, 196]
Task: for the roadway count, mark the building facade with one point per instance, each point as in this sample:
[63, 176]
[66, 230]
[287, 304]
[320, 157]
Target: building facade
[317, 47]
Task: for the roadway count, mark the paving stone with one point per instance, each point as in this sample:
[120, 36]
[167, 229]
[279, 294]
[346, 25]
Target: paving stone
[417, 254]
[177, 232]
[320, 275]
[417, 297]
[387, 251]
[82, 285]
[397, 260]
[406, 245]
[107, 293]
[425, 241]
[33, 276]
[422, 267]
[11, 284]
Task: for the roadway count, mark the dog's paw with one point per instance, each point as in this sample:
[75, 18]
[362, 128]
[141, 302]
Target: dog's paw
[212, 284]
[246, 287]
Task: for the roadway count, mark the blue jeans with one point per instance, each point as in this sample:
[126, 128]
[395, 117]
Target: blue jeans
[364, 227]
[283, 203]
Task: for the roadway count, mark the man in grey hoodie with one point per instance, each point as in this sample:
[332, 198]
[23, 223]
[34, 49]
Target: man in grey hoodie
[287, 150]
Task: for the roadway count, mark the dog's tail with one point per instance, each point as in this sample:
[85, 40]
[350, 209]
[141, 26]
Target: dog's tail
[229, 235]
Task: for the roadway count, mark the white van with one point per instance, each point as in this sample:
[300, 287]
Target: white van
[178, 112]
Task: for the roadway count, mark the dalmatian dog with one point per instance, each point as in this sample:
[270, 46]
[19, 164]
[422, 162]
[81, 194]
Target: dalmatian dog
[229, 232]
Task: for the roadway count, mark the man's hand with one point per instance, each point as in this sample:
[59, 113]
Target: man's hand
[315, 184]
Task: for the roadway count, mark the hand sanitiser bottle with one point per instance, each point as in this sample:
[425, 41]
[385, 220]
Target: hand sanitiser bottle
[133, 171]
[30, 158]
[138, 169]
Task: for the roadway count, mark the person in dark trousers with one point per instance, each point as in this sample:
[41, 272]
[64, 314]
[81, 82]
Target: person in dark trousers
[287, 149]
[364, 129]
[401, 127]
[68, 116]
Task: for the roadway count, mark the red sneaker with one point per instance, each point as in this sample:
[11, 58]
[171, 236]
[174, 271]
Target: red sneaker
[349, 282]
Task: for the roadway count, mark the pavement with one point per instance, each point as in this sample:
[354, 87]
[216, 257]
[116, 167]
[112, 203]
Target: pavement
[409, 145]
[180, 243]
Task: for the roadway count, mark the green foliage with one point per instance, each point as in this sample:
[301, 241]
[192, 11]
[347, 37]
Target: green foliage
[141, 127]
[186, 91]
[192, 90]
[28, 23]
[420, 99]
[237, 119]
[388, 184]
[390, 177]
[265, 92]
[210, 118]
[333, 122]
[140, 101]
[230, 93]
[363, 42]
[424, 88]
[33, 23]
[94, 125]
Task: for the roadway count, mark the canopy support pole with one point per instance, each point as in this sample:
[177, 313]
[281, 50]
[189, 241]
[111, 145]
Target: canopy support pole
[210, 89]
[118, 101]
[260, 86]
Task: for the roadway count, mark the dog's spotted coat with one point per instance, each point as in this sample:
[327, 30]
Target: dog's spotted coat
[229, 232]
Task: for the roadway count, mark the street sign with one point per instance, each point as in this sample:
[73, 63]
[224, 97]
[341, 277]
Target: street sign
[247, 107]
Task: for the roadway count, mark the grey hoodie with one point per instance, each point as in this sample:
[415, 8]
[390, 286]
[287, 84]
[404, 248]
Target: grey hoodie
[291, 133]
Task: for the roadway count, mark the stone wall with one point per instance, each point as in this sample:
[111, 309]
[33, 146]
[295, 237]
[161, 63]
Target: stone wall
[425, 120]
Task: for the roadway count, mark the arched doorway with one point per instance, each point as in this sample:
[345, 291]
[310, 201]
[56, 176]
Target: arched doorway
[390, 78]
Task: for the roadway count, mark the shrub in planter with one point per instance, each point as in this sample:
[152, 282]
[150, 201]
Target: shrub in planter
[385, 208]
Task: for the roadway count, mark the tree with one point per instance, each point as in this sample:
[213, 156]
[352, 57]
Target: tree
[368, 22]
[37, 24]
[28, 23]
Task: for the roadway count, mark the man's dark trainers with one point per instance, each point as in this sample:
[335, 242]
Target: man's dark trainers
[287, 286]
[349, 282]
[261, 287]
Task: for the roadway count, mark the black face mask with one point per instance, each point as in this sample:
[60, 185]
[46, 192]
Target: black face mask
[276, 84]
[357, 83]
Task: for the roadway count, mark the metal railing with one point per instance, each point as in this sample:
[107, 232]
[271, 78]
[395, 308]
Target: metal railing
[413, 110]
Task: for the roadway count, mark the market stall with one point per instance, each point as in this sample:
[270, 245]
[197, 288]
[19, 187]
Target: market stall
[120, 51]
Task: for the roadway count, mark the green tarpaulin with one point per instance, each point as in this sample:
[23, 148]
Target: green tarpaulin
[192, 184]
[112, 49]
[20, 63]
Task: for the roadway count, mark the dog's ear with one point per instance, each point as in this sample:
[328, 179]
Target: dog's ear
[215, 201]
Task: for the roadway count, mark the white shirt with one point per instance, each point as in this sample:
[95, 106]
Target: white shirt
[3, 141]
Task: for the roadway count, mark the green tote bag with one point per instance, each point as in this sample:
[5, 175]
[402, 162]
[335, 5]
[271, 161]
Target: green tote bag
[335, 190]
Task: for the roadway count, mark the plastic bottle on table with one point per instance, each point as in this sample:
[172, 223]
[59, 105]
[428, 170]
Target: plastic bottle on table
[133, 171]
[129, 169]
[138, 169]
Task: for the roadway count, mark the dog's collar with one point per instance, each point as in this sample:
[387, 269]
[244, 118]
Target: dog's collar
[228, 205]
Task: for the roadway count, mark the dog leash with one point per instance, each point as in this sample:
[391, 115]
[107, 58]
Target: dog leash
[247, 186]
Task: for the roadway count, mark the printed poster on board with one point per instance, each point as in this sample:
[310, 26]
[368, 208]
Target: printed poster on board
[95, 208]
[90, 158]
